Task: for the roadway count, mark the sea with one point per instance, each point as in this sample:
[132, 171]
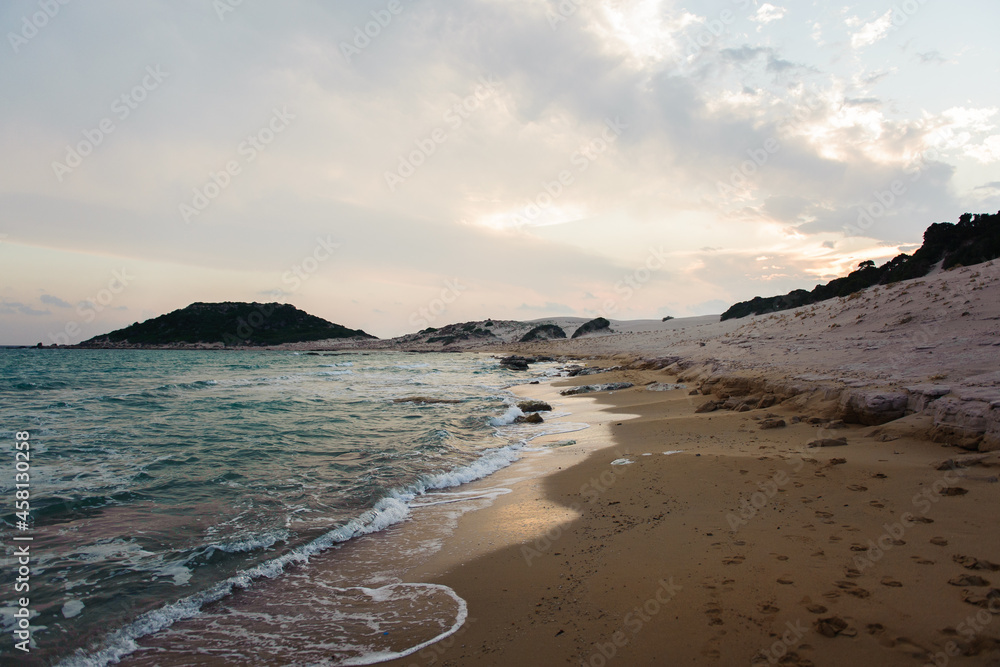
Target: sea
[243, 507]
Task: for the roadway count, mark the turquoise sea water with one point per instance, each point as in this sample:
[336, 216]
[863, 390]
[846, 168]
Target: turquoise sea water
[165, 483]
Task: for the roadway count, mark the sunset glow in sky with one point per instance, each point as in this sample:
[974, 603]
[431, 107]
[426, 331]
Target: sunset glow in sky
[528, 158]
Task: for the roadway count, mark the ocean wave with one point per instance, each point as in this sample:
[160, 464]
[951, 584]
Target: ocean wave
[122, 642]
[508, 417]
[387, 512]
[252, 542]
[381, 595]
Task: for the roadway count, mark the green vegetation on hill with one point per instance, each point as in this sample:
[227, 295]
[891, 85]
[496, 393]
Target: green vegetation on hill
[975, 239]
[229, 323]
[544, 332]
[462, 331]
[596, 324]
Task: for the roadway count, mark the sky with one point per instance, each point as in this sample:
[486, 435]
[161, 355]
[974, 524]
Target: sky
[396, 164]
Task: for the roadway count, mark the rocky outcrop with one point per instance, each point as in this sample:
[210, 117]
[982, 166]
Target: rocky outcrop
[544, 332]
[872, 408]
[533, 418]
[594, 325]
[965, 414]
[590, 388]
[516, 363]
[534, 406]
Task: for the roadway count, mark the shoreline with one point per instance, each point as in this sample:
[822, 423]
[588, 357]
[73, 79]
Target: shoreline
[745, 548]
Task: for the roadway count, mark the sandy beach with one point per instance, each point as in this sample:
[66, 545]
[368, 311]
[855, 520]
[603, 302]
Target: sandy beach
[722, 536]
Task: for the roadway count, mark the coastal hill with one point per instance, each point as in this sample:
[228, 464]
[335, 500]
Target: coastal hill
[228, 324]
[975, 239]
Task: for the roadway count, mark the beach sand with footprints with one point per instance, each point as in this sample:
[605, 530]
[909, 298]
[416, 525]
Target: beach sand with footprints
[821, 529]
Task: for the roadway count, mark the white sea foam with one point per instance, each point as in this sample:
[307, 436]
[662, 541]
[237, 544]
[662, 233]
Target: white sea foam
[382, 594]
[123, 641]
[252, 542]
[622, 462]
[72, 608]
[508, 417]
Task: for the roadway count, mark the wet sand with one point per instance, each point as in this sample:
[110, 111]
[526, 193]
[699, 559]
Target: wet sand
[748, 547]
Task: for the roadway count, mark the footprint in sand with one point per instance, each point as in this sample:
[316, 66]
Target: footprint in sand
[987, 601]
[922, 561]
[909, 647]
[953, 491]
[892, 583]
[922, 519]
[875, 628]
[852, 588]
[785, 582]
[939, 541]
[824, 515]
[858, 547]
[830, 627]
[779, 556]
[733, 560]
[857, 487]
[968, 580]
[816, 609]
[768, 609]
[970, 563]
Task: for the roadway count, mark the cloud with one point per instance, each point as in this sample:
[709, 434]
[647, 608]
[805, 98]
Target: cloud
[933, 58]
[987, 152]
[54, 301]
[872, 32]
[12, 307]
[767, 13]
[862, 101]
